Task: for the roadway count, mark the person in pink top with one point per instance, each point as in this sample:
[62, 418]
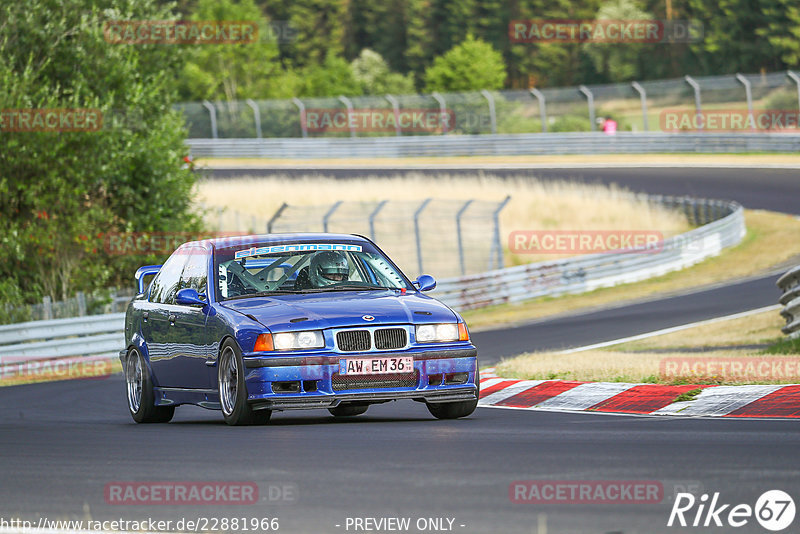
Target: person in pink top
[609, 126]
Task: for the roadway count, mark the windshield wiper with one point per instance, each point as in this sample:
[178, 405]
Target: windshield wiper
[265, 293]
[357, 288]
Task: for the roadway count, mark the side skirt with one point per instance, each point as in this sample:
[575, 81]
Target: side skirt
[205, 398]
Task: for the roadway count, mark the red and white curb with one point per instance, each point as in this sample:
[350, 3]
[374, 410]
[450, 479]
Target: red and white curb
[642, 399]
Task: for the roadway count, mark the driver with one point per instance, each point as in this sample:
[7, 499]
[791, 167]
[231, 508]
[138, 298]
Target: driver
[328, 268]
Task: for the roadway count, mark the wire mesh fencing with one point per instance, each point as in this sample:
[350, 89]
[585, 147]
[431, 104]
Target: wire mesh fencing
[435, 236]
[635, 106]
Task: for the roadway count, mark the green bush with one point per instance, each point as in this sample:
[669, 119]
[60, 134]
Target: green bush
[61, 192]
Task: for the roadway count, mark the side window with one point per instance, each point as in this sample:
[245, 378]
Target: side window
[194, 274]
[166, 282]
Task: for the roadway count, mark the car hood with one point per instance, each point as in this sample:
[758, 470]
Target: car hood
[325, 310]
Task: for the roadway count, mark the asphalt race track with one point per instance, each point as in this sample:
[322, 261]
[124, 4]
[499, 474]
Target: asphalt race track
[771, 188]
[615, 323]
[63, 442]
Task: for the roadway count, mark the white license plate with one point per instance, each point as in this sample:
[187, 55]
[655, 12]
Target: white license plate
[376, 366]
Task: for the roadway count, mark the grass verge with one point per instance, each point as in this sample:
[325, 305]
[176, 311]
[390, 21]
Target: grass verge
[736, 351]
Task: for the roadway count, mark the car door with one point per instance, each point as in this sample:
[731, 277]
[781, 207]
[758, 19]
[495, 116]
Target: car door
[187, 325]
[162, 339]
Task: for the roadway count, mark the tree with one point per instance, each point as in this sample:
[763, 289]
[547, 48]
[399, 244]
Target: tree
[60, 192]
[373, 74]
[617, 61]
[332, 78]
[235, 71]
[469, 66]
[319, 28]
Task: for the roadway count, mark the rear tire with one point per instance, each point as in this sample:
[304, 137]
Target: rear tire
[141, 399]
[454, 410]
[233, 390]
[348, 410]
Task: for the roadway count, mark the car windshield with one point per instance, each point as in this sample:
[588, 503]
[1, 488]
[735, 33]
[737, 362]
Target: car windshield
[270, 268]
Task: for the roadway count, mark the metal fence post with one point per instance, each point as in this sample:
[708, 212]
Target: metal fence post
[47, 305]
[748, 93]
[256, 116]
[496, 244]
[442, 110]
[302, 109]
[349, 105]
[372, 216]
[697, 102]
[328, 215]
[796, 79]
[643, 97]
[275, 217]
[542, 108]
[396, 108]
[492, 115]
[458, 235]
[212, 115]
[81, 298]
[416, 232]
[590, 101]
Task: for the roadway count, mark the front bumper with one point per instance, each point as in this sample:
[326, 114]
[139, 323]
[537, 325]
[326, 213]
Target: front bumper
[320, 386]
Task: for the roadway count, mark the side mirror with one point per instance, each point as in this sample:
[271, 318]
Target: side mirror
[189, 297]
[425, 282]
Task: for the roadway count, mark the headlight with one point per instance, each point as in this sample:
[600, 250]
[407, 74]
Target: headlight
[309, 339]
[437, 333]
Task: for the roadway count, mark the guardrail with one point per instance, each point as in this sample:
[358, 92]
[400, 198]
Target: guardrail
[93, 335]
[495, 145]
[789, 284]
[724, 227]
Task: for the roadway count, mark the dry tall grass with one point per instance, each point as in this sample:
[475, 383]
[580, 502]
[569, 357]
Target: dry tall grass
[534, 205]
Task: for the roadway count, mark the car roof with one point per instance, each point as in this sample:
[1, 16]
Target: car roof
[248, 240]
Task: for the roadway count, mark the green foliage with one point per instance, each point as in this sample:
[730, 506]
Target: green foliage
[469, 66]
[61, 192]
[236, 71]
[570, 123]
[373, 75]
[320, 28]
[784, 346]
[617, 61]
[783, 99]
[332, 78]
[688, 395]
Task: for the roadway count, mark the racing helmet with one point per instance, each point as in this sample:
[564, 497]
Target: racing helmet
[327, 268]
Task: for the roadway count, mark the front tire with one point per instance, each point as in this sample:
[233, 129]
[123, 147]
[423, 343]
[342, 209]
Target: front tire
[139, 385]
[233, 390]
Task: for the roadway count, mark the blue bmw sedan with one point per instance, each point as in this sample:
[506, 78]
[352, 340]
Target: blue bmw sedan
[252, 324]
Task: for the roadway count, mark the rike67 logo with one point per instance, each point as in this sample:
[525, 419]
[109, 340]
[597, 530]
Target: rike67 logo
[774, 510]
